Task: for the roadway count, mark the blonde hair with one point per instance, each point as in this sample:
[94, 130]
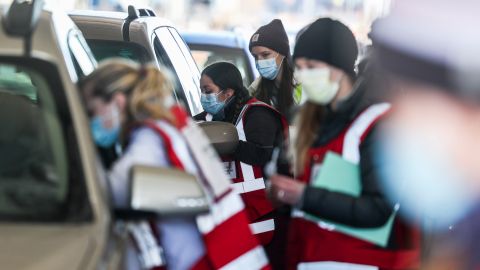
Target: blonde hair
[308, 123]
[151, 95]
[146, 87]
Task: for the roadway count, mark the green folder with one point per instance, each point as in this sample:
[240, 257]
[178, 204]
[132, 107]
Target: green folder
[340, 175]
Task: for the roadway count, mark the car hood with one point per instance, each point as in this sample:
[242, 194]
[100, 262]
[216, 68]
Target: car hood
[25, 247]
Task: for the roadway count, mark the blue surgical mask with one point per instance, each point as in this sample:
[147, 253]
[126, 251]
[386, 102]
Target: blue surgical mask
[211, 104]
[422, 179]
[103, 136]
[268, 68]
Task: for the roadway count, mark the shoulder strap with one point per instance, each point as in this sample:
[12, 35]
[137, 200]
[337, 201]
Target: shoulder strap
[174, 160]
[359, 127]
[255, 102]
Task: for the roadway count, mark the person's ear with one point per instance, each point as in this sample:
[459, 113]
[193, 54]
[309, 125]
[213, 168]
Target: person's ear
[120, 100]
[336, 74]
[229, 92]
[280, 59]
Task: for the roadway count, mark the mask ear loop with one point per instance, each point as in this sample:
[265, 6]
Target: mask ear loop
[227, 101]
[281, 63]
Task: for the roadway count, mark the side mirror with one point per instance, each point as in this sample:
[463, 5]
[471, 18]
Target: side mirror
[22, 17]
[223, 136]
[166, 191]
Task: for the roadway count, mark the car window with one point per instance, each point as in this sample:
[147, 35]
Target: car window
[16, 81]
[165, 64]
[193, 92]
[104, 49]
[186, 52]
[188, 80]
[82, 58]
[39, 165]
[205, 55]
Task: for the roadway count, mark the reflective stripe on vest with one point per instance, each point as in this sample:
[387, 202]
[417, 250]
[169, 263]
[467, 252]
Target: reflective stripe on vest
[151, 253]
[221, 211]
[251, 183]
[334, 266]
[262, 226]
[253, 259]
[235, 246]
[353, 137]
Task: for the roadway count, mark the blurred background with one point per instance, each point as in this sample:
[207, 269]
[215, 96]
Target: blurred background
[245, 16]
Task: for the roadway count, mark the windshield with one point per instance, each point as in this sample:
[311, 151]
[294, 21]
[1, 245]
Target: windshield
[103, 49]
[38, 166]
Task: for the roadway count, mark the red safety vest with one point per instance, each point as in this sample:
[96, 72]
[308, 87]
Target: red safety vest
[145, 239]
[248, 181]
[229, 243]
[313, 245]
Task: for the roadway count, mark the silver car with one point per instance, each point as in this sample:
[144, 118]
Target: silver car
[141, 36]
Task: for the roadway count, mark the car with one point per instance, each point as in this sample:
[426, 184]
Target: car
[55, 209]
[141, 36]
[210, 47]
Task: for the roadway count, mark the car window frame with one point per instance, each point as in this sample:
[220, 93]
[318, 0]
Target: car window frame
[193, 102]
[164, 62]
[78, 59]
[187, 54]
[78, 207]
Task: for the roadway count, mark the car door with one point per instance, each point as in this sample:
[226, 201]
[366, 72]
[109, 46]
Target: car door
[46, 214]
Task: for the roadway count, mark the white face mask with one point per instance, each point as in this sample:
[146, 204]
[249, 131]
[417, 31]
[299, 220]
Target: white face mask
[317, 85]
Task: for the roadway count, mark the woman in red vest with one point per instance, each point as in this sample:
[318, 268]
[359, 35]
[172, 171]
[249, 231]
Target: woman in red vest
[337, 118]
[260, 128]
[133, 105]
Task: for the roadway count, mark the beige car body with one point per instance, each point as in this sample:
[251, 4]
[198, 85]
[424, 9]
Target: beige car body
[83, 245]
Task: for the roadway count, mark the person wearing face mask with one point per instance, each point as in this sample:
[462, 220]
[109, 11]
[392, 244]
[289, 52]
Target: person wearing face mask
[336, 118]
[260, 127]
[276, 85]
[431, 141]
[134, 105]
[117, 99]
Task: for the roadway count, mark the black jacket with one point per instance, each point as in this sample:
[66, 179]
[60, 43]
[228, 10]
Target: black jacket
[263, 131]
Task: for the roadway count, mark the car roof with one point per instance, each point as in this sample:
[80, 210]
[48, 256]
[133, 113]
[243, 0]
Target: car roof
[215, 38]
[107, 25]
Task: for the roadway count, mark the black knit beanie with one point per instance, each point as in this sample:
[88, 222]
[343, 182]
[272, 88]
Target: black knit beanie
[329, 41]
[272, 36]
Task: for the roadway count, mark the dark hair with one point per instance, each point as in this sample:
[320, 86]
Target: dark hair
[227, 76]
[285, 93]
